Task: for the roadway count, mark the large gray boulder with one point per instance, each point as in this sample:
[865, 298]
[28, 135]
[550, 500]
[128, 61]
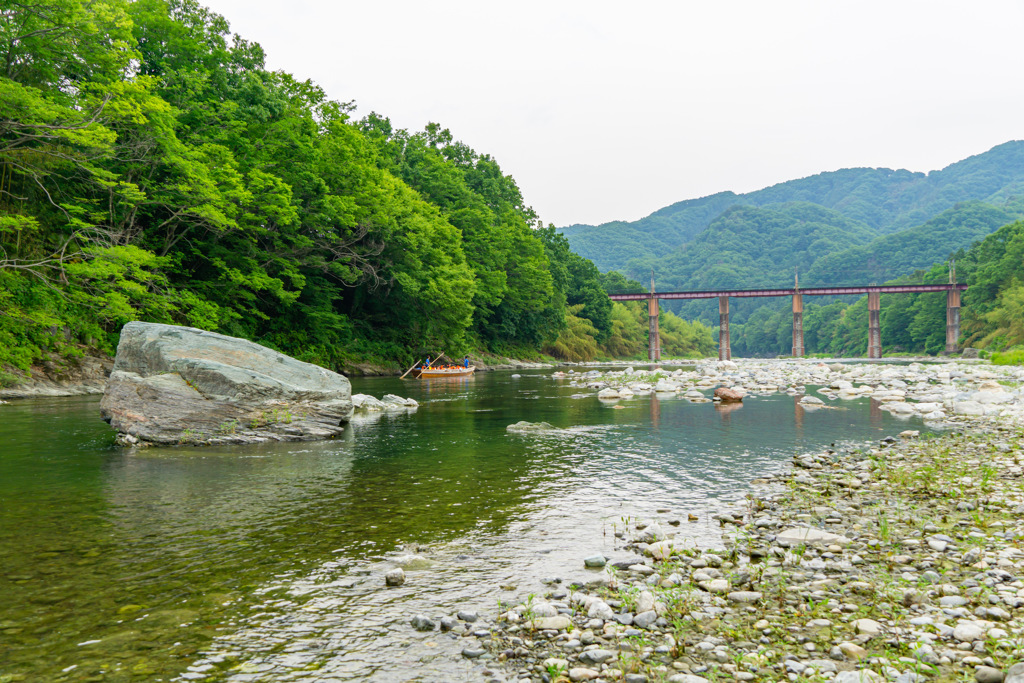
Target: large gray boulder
[174, 385]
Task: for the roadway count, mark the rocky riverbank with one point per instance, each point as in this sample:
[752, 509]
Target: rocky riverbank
[56, 377]
[896, 561]
[947, 393]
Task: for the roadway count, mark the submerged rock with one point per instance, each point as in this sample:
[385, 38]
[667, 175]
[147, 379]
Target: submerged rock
[174, 384]
[527, 427]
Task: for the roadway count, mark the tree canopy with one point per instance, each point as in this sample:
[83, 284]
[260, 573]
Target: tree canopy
[152, 167]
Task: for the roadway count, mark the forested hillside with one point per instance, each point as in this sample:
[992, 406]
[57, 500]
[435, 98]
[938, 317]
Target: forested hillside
[890, 256]
[152, 168]
[885, 200]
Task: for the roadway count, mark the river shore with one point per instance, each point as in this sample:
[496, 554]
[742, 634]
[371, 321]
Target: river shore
[893, 561]
[59, 377]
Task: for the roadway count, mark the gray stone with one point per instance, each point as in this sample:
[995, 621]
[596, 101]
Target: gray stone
[597, 656]
[645, 619]
[910, 677]
[174, 384]
[952, 601]
[988, 674]
[422, 623]
[744, 596]
[395, 577]
[473, 653]
[1015, 674]
[595, 561]
[686, 678]
[468, 617]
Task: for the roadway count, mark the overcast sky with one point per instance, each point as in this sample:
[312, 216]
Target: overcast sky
[611, 110]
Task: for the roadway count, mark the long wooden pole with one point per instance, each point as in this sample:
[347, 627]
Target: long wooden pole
[410, 369]
[414, 366]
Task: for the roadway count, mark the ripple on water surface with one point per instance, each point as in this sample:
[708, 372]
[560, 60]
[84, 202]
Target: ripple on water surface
[266, 563]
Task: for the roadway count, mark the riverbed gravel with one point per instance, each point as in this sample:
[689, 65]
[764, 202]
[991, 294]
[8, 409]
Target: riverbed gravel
[898, 561]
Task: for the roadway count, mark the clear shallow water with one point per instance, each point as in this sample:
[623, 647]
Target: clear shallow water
[267, 562]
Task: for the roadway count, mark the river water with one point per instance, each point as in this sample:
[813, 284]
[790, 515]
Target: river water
[266, 563]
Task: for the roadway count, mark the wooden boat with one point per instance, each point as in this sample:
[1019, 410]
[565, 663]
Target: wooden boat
[451, 371]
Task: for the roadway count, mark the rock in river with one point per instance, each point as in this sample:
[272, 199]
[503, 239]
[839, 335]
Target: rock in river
[174, 384]
[727, 395]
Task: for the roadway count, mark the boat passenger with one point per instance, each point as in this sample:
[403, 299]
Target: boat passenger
[465, 362]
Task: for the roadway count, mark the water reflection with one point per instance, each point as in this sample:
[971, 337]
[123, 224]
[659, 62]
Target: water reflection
[725, 409]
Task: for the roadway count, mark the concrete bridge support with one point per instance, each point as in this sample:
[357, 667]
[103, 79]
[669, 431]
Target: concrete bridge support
[952, 320]
[653, 335]
[874, 325]
[798, 325]
[724, 352]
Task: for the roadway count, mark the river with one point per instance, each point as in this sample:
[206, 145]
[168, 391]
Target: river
[266, 563]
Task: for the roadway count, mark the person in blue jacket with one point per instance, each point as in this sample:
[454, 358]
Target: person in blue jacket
[465, 361]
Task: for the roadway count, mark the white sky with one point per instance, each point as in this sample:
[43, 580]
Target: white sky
[612, 110]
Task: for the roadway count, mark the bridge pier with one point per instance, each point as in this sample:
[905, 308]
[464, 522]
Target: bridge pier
[653, 334]
[798, 325]
[873, 291]
[874, 325]
[952, 320]
[724, 352]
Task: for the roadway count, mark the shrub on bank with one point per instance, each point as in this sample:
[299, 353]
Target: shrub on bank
[1013, 356]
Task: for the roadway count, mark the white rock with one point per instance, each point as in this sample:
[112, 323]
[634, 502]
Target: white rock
[600, 610]
[992, 397]
[968, 632]
[867, 627]
[366, 403]
[557, 623]
[972, 408]
[797, 536]
[660, 550]
[865, 676]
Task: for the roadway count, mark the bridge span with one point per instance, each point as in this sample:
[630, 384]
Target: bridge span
[874, 293]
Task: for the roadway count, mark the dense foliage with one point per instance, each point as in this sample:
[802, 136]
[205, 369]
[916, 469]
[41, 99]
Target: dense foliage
[152, 168]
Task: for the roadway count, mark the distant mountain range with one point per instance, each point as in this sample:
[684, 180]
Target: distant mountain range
[852, 226]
